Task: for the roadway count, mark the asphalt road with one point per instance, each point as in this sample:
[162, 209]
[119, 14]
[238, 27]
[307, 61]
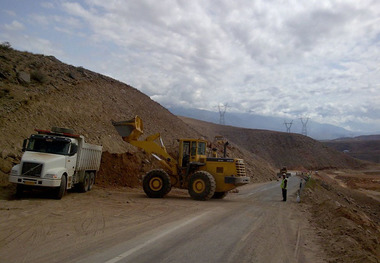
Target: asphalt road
[251, 226]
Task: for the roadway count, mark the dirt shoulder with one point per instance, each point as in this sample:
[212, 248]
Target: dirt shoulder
[346, 213]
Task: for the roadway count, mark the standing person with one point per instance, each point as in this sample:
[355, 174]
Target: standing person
[284, 185]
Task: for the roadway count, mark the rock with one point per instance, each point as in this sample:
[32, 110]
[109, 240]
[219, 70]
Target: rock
[72, 75]
[23, 77]
[5, 166]
[2, 75]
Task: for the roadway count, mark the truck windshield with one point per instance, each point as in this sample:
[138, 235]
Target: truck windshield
[48, 145]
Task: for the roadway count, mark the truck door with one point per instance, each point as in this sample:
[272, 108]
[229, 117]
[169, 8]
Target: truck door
[72, 160]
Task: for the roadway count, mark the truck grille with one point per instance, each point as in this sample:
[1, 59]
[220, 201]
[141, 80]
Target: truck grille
[32, 169]
[240, 167]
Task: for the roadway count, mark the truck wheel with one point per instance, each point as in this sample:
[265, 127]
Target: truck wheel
[156, 184]
[219, 195]
[19, 190]
[202, 186]
[60, 191]
[91, 181]
[83, 186]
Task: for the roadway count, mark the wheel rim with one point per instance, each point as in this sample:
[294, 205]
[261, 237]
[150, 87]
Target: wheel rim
[199, 186]
[156, 184]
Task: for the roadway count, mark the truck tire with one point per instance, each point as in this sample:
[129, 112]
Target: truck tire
[156, 183]
[19, 190]
[219, 195]
[91, 181]
[60, 191]
[202, 186]
[83, 185]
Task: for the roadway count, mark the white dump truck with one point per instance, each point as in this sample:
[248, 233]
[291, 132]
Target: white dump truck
[57, 159]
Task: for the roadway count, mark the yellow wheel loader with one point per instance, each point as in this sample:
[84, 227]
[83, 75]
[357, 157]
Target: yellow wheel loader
[204, 177]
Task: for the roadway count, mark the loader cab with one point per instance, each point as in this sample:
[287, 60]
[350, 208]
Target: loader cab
[191, 150]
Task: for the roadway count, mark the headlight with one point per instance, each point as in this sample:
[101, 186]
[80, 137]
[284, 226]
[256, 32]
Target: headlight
[51, 176]
[14, 172]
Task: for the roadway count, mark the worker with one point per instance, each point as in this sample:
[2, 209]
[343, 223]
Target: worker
[284, 185]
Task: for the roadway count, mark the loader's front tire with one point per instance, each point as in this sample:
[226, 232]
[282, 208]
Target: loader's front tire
[156, 183]
[219, 195]
[202, 186]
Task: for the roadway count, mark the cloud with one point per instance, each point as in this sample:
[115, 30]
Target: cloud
[251, 46]
[318, 59]
[14, 26]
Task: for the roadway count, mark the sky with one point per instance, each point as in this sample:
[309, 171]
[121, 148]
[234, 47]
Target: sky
[290, 59]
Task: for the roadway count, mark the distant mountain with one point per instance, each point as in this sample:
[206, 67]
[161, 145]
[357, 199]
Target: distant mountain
[360, 138]
[314, 129]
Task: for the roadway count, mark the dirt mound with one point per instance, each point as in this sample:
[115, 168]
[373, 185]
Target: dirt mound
[279, 149]
[348, 221]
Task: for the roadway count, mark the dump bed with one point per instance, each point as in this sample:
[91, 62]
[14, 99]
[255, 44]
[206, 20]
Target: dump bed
[89, 156]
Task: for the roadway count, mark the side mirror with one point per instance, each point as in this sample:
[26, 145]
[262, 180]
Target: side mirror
[74, 149]
[24, 145]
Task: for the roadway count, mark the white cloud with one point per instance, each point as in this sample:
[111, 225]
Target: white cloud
[14, 26]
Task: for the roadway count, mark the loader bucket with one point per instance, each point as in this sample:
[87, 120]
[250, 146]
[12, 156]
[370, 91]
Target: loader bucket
[130, 130]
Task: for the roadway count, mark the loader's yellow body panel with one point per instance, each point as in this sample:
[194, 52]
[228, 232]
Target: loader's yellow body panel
[219, 168]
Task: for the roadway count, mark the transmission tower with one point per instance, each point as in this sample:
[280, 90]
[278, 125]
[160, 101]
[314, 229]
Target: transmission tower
[222, 112]
[288, 125]
[304, 128]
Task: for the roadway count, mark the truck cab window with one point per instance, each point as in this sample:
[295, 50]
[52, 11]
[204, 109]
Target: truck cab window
[45, 145]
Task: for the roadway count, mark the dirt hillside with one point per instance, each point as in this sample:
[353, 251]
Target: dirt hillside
[345, 210]
[362, 147]
[39, 91]
[279, 149]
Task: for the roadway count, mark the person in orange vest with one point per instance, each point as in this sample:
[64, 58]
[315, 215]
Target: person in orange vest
[284, 185]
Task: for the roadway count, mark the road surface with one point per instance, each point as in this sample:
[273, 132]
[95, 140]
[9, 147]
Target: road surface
[253, 225]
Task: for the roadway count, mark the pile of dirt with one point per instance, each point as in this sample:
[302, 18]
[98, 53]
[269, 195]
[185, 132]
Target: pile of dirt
[348, 221]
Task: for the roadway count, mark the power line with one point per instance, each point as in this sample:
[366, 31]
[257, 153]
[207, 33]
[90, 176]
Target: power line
[222, 112]
[304, 126]
[288, 125]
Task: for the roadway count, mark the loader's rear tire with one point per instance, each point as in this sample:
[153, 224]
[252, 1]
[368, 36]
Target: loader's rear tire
[202, 186]
[156, 183]
[219, 195]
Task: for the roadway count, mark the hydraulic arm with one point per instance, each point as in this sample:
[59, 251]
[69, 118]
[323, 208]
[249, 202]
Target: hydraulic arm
[131, 130]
